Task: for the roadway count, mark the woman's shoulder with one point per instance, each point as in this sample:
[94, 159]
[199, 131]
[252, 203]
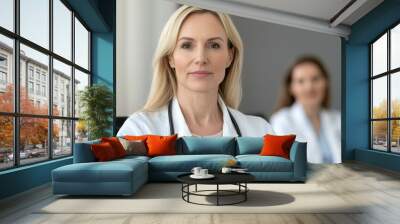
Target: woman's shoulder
[149, 117]
[333, 114]
[256, 125]
[282, 113]
[144, 122]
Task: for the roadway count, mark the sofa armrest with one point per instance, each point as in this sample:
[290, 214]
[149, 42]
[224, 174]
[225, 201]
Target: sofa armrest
[83, 152]
[298, 155]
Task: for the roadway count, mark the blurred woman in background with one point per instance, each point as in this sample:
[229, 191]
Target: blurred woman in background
[304, 110]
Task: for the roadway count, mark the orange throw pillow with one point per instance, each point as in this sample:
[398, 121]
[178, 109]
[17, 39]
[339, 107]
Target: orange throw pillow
[277, 145]
[161, 145]
[103, 151]
[136, 137]
[116, 145]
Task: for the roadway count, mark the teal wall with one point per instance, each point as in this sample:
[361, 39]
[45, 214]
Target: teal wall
[356, 89]
[99, 15]
[24, 178]
[103, 63]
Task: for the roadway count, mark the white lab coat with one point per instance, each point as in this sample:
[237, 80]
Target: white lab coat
[293, 120]
[141, 123]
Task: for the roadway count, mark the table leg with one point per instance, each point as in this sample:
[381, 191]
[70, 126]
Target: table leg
[188, 189]
[245, 193]
[196, 188]
[217, 194]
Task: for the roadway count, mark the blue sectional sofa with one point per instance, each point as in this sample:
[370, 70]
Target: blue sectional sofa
[125, 176]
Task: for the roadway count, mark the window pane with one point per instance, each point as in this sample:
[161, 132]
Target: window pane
[62, 89]
[81, 81]
[34, 97]
[379, 97]
[379, 55]
[379, 135]
[7, 14]
[62, 29]
[81, 45]
[81, 131]
[395, 47]
[395, 94]
[6, 74]
[62, 138]
[6, 142]
[395, 132]
[33, 139]
[35, 21]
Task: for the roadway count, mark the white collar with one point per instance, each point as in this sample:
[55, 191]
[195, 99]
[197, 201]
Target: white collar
[182, 129]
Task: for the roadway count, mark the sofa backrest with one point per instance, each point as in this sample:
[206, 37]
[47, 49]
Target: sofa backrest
[192, 145]
[249, 145]
[83, 152]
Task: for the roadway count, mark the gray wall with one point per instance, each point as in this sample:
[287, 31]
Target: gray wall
[139, 24]
[269, 50]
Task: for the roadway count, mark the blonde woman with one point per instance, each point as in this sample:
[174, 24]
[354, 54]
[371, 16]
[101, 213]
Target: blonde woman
[196, 85]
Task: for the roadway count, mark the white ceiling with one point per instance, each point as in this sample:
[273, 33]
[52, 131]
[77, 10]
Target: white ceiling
[320, 9]
[315, 15]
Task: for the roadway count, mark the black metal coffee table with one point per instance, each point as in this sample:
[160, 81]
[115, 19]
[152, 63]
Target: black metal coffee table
[238, 179]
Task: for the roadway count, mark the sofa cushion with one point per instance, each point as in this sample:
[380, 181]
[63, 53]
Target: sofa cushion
[111, 171]
[161, 145]
[191, 145]
[116, 145]
[103, 151]
[132, 159]
[277, 145]
[185, 163]
[249, 145]
[257, 163]
[134, 147]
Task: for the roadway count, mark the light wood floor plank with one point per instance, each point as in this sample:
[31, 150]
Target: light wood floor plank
[377, 190]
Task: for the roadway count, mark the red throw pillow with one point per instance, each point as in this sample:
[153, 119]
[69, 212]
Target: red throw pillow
[277, 145]
[103, 151]
[161, 145]
[116, 145]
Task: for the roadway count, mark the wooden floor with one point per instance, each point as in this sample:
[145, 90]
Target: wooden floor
[378, 188]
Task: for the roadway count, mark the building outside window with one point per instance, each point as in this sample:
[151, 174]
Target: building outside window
[30, 72]
[3, 60]
[30, 87]
[43, 90]
[385, 91]
[58, 129]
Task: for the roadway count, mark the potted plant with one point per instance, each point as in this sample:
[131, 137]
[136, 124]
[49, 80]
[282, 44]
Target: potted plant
[96, 104]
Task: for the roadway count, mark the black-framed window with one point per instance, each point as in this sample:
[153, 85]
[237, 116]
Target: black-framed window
[44, 64]
[385, 91]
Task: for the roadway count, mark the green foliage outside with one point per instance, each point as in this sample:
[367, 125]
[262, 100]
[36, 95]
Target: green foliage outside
[96, 102]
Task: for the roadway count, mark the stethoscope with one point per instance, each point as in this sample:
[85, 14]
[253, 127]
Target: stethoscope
[171, 123]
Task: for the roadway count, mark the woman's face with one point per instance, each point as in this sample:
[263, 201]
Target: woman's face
[201, 54]
[308, 84]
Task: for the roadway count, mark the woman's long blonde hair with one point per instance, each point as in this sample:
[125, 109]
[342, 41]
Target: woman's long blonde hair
[164, 84]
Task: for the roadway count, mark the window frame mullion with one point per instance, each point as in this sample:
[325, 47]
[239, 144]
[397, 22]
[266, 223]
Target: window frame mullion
[16, 115]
